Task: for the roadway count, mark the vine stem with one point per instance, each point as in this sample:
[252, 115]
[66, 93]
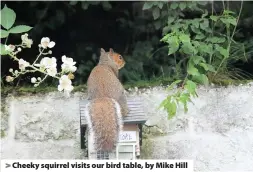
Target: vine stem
[31, 66]
[230, 41]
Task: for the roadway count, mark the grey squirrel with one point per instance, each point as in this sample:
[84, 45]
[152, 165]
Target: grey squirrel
[107, 101]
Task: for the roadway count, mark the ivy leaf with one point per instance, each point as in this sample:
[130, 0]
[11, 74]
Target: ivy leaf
[147, 5]
[73, 2]
[157, 24]
[106, 5]
[8, 17]
[174, 5]
[20, 29]
[170, 20]
[156, 13]
[182, 5]
[85, 5]
[160, 5]
[4, 33]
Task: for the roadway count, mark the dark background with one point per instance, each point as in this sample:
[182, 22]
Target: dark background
[81, 29]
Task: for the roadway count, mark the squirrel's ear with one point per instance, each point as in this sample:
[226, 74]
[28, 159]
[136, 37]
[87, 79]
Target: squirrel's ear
[102, 50]
[111, 50]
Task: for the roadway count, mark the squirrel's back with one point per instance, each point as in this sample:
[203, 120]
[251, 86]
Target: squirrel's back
[107, 101]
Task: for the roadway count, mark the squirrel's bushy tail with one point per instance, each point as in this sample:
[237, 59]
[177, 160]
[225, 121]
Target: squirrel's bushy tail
[104, 120]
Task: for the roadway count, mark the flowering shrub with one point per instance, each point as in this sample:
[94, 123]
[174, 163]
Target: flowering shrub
[46, 65]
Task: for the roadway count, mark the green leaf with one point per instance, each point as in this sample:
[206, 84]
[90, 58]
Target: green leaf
[157, 24]
[207, 67]
[197, 59]
[202, 2]
[223, 51]
[106, 5]
[4, 33]
[156, 13]
[73, 2]
[205, 14]
[20, 29]
[172, 109]
[170, 20]
[160, 5]
[8, 17]
[214, 18]
[85, 5]
[200, 36]
[187, 48]
[3, 51]
[202, 79]
[191, 69]
[216, 39]
[185, 38]
[182, 5]
[195, 30]
[204, 25]
[173, 44]
[195, 23]
[232, 21]
[173, 84]
[147, 5]
[227, 12]
[191, 87]
[174, 5]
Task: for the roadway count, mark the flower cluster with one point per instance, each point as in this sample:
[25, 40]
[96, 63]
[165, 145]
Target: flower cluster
[46, 66]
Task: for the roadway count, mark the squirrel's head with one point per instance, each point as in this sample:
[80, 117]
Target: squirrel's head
[116, 58]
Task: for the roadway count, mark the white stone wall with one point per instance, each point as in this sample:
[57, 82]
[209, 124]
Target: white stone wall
[217, 132]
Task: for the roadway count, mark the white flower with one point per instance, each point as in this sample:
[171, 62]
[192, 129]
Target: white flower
[10, 70]
[68, 64]
[25, 40]
[33, 80]
[39, 79]
[23, 64]
[52, 71]
[45, 42]
[47, 62]
[19, 49]
[9, 78]
[10, 47]
[65, 84]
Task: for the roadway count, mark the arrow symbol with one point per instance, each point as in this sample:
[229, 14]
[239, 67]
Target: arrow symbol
[7, 165]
